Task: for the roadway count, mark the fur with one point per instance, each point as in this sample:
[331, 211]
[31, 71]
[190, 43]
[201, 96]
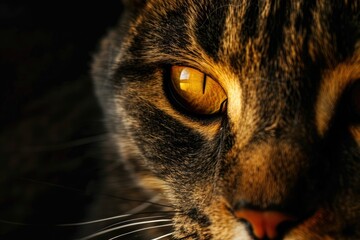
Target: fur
[285, 143]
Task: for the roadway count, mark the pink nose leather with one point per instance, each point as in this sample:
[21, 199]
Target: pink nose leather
[264, 223]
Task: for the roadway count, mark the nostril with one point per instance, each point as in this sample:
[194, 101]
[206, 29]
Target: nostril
[264, 223]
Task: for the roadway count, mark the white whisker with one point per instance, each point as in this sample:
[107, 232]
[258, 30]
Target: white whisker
[69, 144]
[139, 230]
[144, 205]
[130, 220]
[94, 221]
[123, 226]
[163, 236]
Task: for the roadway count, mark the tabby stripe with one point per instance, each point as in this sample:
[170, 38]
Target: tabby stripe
[279, 17]
[250, 23]
[233, 29]
[210, 25]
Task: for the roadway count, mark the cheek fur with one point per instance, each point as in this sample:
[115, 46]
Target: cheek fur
[169, 146]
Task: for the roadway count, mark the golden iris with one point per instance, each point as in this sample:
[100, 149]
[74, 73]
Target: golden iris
[196, 91]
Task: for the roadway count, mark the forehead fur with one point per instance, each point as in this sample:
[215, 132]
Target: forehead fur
[272, 50]
[287, 32]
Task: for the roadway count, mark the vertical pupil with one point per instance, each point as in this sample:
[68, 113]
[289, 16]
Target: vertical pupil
[204, 83]
[197, 92]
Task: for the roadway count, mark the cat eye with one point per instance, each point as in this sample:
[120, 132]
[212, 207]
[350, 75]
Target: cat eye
[196, 91]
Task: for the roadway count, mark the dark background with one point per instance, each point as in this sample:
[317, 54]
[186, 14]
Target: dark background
[51, 124]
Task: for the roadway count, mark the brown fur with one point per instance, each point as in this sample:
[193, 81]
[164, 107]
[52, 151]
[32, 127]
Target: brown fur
[285, 143]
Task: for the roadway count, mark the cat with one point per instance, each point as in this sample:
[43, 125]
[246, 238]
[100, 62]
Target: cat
[244, 116]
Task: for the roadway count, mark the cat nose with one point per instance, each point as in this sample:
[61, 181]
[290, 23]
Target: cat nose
[264, 224]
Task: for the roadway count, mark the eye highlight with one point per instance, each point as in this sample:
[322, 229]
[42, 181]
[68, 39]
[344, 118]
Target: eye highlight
[196, 91]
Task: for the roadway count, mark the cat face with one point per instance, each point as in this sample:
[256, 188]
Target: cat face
[243, 114]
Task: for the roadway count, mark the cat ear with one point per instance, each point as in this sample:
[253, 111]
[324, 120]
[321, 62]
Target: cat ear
[133, 4]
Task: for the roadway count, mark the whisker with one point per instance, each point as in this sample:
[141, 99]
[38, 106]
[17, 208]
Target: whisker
[131, 220]
[81, 191]
[69, 144]
[136, 200]
[19, 223]
[163, 236]
[50, 184]
[93, 221]
[144, 205]
[137, 210]
[124, 226]
[140, 230]
[83, 223]
[66, 224]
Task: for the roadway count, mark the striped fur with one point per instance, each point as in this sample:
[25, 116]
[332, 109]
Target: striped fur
[286, 141]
